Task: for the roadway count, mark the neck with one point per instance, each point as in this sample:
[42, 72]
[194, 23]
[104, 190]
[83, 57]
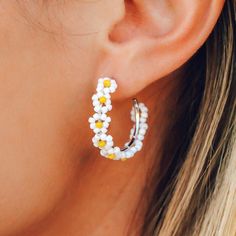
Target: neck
[105, 194]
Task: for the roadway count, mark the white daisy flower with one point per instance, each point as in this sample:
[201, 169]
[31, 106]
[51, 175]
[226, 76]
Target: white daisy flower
[99, 123]
[111, 153]
[103, 141]
[106, 85]
[102, 102]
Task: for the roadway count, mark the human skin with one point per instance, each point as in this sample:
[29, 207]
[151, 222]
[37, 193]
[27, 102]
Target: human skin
[52, 180]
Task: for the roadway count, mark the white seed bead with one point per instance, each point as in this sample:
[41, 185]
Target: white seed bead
[138, 142]
[105, 124]
[132, 131]
[109, 107]
[108, 119]
[96, 116]
[144, 126]
[96, 103]
[96, 130]
[138, 145]
[100, 86]
[94, 97]
[142, 131]
[133, 149]
[103, 137]
[110, 151]
[144, 115]
[94, 140]
[108, 102]
[103, 130]
[109, 138]
[140, 137]
[112, 89]
[141, 105]
[99, 94]
[116, 149]
[106, 90]
[144, 109]
[143, 120]
[99, 89]
[91, 120]
[118, 155]
[97, 108]
[109, 143]
[129, 154]
[92, 126]
[103, 116]
[103, 152]
[95, 144]
[122, 154]
[104, 109]
[138, 148]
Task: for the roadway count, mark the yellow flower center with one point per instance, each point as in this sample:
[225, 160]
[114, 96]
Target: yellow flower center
[99, 124]
[111, 156]
[102, 100]
[102, 143]
[107, 83]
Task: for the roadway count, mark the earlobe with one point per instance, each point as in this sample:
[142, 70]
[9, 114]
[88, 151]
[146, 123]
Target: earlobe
[154, 38]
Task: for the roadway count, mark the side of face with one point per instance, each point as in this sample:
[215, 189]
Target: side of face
[51, 55]
[45, 90]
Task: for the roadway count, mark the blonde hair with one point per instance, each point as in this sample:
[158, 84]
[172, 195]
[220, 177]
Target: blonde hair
[198, 186]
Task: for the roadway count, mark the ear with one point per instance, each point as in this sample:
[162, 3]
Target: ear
[154, 38]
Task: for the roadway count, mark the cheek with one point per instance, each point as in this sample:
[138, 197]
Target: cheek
[31, 187]
[41, 124]
[45, 95]
[36, 162]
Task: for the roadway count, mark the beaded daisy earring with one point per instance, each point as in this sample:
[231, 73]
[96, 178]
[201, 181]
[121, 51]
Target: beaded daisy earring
[100, 121]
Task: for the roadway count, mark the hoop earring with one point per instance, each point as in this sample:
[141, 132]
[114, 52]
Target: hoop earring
[100, 121]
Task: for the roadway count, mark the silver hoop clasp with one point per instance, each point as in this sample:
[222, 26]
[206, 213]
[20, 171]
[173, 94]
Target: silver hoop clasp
[136, 124]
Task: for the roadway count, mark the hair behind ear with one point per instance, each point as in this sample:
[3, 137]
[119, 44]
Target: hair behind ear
[198, 198]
